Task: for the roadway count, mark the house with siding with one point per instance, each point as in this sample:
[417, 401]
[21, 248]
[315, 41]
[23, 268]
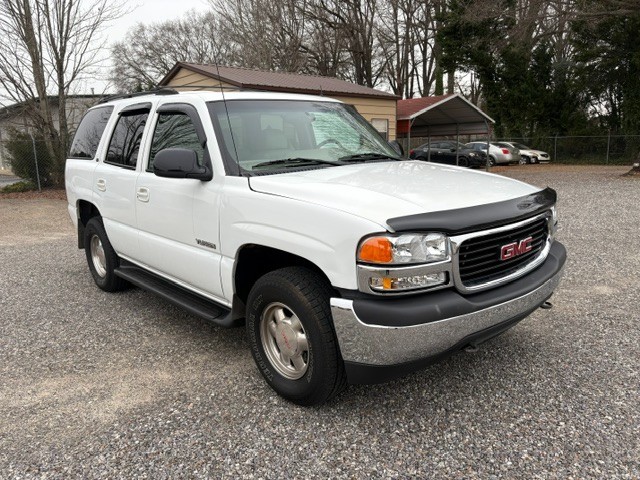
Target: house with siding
[378, 107]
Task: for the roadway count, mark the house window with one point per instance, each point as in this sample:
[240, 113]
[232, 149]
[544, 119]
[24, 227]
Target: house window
[382, 126]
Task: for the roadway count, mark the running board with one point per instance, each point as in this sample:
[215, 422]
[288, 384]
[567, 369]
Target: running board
[191, 302]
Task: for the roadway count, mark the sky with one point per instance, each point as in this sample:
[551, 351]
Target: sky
[150, 11]
[141, 11]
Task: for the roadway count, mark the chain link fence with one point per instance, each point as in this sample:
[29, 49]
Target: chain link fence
[587, 150]
[26, 159]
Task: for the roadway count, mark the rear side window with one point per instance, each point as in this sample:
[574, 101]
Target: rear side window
[87, 137]
[125, 140]
[175, 130]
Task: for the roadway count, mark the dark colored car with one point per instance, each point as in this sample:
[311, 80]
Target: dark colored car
[445, 152]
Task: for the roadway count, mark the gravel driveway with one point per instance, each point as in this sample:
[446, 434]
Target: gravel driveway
[125, 385]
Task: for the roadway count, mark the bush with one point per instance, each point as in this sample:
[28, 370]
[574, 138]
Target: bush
[18, 187]
[19, 148]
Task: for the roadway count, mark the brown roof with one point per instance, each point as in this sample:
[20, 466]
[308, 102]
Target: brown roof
[278, 81]
[411, 106]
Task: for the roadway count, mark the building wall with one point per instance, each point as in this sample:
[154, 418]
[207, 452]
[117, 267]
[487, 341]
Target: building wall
[17, 120]
[370, 108]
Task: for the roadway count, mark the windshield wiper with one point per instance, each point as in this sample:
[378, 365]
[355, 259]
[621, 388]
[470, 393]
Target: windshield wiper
[296, 162]
[363, 157]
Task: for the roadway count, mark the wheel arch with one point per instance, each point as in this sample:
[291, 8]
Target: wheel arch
[255, 260]
[86, 211]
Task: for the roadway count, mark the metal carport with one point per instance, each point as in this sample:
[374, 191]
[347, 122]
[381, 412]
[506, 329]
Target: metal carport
[443, 115]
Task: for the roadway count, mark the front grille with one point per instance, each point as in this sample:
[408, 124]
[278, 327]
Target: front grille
[479, 259]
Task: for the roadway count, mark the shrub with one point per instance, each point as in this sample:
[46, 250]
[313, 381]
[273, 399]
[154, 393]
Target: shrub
[19, 148]
[18, 187]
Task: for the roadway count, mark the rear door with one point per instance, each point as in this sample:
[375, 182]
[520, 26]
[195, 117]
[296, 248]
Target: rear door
[177, 217]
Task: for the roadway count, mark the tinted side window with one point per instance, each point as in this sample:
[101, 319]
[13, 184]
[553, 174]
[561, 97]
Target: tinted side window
[87, 137]
[126, 138]
[175, 130]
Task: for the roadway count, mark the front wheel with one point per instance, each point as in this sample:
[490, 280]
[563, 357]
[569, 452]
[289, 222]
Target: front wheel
[101, 257]
[291, 335]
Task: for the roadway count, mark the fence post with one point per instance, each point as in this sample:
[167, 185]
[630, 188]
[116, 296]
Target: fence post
[608, 146]
[555, 148]
[35, 157]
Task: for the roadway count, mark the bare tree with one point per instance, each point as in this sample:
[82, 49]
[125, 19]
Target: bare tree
[264, 34]
[149, 51]
[46, 46]
[396, 34]
[354, 21]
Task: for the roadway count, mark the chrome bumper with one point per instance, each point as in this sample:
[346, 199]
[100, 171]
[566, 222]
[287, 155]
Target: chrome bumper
[381, 345]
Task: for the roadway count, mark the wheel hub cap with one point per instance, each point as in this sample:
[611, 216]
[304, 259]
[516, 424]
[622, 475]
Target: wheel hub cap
[284, 341]
[97, 256]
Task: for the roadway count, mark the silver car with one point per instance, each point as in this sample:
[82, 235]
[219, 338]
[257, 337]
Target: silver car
[499, 154]
[530, 155]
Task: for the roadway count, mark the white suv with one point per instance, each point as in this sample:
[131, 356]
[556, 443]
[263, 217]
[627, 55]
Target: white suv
[292, 215]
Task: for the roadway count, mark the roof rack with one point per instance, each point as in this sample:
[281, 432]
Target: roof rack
[154, 91]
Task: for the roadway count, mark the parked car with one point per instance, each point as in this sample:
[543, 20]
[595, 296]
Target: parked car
[529, 155]
[500, 153]
[291, 216]
[445, 152]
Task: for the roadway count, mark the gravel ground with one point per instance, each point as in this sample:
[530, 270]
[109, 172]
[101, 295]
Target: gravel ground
[98, 385]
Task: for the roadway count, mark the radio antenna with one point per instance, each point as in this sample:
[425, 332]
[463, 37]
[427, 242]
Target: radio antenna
[226, 109]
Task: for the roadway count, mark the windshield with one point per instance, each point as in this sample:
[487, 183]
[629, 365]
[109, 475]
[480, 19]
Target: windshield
[521, 146]
[270, 135]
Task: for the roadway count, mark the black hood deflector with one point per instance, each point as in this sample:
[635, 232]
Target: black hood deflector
[480, 217]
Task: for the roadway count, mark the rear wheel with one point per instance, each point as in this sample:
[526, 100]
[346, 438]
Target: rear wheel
[492, 161]
[101, 257]
[463, 162]
[291, 335]
[524, 160]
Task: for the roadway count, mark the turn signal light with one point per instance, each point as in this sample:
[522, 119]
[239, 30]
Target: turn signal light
[376, 250]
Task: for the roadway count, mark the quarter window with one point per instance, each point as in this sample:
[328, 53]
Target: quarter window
[125, 141]
[175, 130]
[87, 137]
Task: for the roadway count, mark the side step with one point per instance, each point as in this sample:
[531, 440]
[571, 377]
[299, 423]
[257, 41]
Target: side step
[193, 303]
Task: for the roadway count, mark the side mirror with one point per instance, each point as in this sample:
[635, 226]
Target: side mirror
[397, 147]
[179, 163]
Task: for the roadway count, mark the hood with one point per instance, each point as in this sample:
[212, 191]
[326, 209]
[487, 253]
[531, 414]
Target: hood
[379, 191]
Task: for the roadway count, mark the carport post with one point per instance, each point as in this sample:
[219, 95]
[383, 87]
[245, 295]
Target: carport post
[429, 147]
[486, 124]
[409, 136]
[608, 146]
[457, 143]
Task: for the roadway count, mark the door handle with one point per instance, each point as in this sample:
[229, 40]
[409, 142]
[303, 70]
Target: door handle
[101, 184]
[142, 194]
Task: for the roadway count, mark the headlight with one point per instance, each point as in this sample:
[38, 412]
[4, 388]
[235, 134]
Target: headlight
[404, 249]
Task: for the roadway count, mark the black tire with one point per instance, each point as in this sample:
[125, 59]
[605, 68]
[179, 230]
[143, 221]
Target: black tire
[492, 161]
[303, 295]
[102, 269]
[525, 160]
[463, 162]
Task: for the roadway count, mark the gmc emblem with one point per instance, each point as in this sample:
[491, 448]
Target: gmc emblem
[514, 249]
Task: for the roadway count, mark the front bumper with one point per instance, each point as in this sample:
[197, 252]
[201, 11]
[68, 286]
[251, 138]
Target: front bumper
[384, 338]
